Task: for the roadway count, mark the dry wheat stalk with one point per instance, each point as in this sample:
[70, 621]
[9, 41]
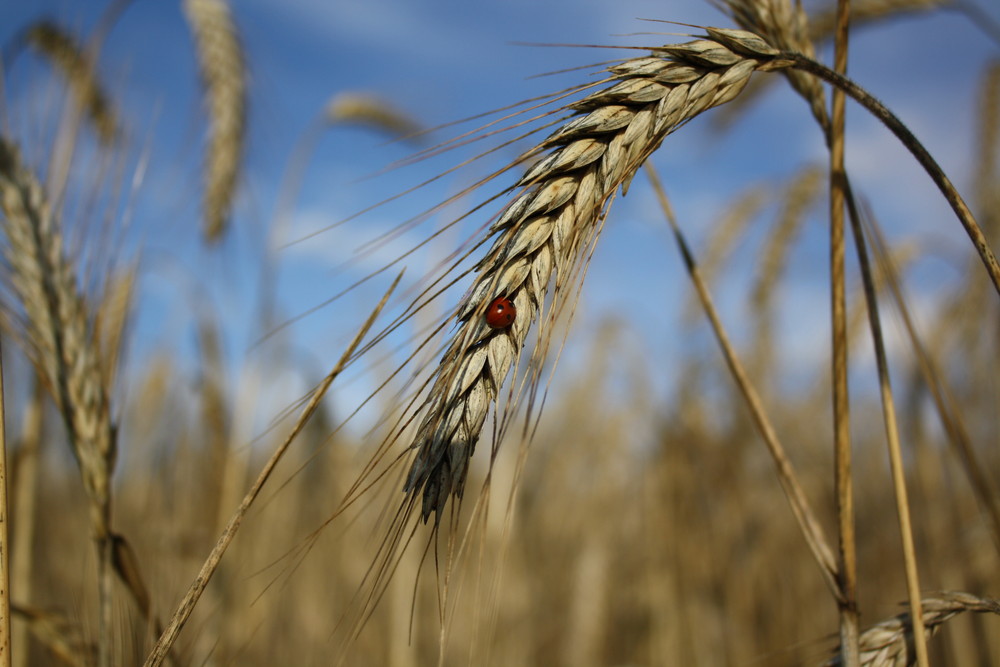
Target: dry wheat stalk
[77, 68]
[890, 643]
[541, 232]
[989, 139]
[223, 74]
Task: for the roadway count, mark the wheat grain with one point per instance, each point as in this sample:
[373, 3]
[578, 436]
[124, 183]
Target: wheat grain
[890, 643]
[223, 74]
[541, 232]
[77, 68]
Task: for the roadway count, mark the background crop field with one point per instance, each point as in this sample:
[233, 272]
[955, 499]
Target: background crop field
[203, 201]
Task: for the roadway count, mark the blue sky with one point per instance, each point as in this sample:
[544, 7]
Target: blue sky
[441, 61]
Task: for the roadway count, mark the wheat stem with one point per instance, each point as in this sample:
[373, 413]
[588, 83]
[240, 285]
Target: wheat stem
[843, 481]
[5, 551]
[892, 437]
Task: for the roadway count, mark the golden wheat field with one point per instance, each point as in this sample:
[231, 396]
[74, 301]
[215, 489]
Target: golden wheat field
[337, 334]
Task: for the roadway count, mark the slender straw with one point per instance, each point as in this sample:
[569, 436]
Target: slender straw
[848, 576]
[5, 657]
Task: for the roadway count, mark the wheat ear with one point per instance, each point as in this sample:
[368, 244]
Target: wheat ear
[223, 74]
[63, 349]
[370, 111]
[541, 232]
[76, 65]
[57, 325]
[890, 643]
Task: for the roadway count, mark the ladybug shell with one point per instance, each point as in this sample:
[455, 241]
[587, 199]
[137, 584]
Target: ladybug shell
[501, 313]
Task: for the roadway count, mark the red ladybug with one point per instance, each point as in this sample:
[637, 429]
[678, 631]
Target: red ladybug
[501, 313]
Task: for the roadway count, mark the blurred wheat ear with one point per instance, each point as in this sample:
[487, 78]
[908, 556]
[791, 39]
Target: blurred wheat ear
[58, 329]
[78, 70]
[891, 643]
[370, 111]
[223, 75]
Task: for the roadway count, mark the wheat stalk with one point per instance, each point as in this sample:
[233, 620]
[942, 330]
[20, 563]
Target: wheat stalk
[986, 171]
[542, 231]
[223, 74]
[890, 643]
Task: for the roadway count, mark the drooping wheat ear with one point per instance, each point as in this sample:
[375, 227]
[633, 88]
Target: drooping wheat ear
[540, 233]
[223, 75]
[890, 643]
[370, 111]
[725, 235]
[798, 197]
[57, 326]
[77, 68]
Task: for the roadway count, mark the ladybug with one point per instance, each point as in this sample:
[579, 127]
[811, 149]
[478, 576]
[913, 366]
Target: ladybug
[501, 313]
